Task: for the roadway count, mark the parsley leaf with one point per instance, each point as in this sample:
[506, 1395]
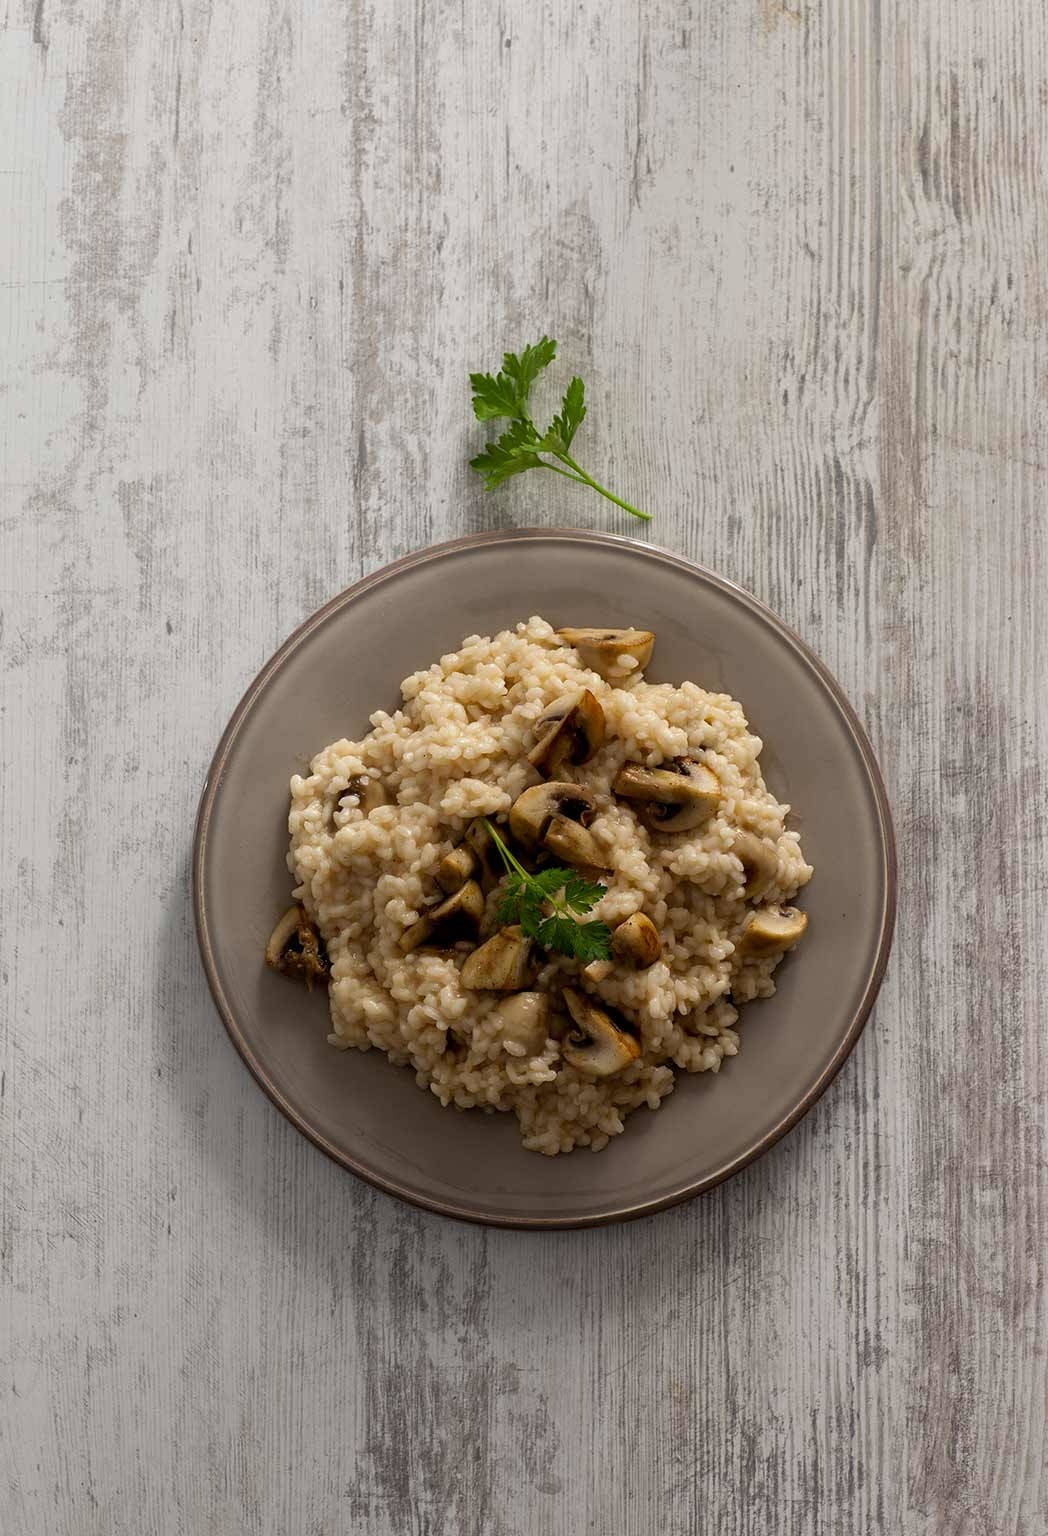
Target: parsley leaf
[581, 894]
[522, 446]
[506, 392]
[568, 419]
[511, 454]
[583, 941]
[547, 905]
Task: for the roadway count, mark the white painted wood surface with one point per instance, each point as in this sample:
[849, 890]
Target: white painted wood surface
[247, 254]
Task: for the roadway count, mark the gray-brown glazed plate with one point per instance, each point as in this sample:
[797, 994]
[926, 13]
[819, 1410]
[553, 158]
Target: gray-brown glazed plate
[347, 661]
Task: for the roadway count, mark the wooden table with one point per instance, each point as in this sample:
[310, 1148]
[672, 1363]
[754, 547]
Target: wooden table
[247, 255]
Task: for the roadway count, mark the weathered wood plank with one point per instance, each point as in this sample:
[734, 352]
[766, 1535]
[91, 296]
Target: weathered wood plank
[247, 255]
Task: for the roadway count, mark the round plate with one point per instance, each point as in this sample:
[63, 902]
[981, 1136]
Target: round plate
[346, 662]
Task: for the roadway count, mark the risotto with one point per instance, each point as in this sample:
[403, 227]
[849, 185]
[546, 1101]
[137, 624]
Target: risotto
[650, 791]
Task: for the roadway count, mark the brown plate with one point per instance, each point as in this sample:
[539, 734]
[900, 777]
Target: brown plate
[347, 661]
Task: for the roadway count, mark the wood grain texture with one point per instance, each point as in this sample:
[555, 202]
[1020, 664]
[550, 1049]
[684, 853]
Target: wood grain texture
[247, 254]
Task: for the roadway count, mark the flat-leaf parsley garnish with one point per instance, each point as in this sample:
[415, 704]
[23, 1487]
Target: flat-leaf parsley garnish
[504, 395]
[548, 907]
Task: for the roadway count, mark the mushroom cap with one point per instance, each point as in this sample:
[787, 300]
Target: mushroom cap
[296, 949]
[597, 1046]
[570, 731]
[521, 1019]
[676, 797]
[771, 932]
[600, 649]
[760, 862]
[499, 965]
[456, 918]
[555, 815]
[637, 941]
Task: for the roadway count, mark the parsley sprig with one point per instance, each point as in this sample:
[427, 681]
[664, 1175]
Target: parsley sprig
[522, 446]
[547, 907]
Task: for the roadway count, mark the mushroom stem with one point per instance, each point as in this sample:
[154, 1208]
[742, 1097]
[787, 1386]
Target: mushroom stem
[637, 941]
[455, 868]
[500, 965]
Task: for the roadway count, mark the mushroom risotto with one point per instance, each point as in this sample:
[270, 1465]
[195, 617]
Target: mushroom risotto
[529, 782]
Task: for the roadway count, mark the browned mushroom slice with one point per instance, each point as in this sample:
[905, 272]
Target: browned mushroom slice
[602, 649]
[760, 862]
[475, 858]
[598, 1046]
[677, 797]
[296, 949]
[455, 868]
[569, 733]
[573, 843]
[454, 920]
[636, 941]
[500, 965]
[770, 932]
[556, 816]
[369, 791]
[481, 844]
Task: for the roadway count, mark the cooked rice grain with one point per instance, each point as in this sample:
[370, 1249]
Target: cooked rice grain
[457, 749]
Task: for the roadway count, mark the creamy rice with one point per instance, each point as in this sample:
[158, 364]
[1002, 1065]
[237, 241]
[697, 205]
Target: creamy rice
[457, 749]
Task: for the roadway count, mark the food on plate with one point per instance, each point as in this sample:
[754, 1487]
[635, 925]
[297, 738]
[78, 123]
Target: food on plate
[569, 733]
[543, 882]
[636, 941]
[296, 949]
[614, 653]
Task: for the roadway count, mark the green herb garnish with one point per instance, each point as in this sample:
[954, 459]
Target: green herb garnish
[522, 445]
[547, 907]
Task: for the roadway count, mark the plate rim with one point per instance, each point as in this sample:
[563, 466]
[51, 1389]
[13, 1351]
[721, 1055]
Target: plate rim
[450, 1208]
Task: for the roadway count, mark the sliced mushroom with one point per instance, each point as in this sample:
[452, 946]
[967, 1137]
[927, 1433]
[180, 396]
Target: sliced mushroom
[455, 919]
[680, 795]
[369, 790]
[770, 932]
[556, 816]
[573, 843]
[570, 732]
[475, 858]
[522, 1019]
[456, 867]
[600, 649]
[760, 862]
[296, 949]
[597, 1046]
[500, 965]
[637, 941]
[597, 971]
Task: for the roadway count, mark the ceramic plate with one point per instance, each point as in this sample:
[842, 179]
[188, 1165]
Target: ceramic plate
[347, 661]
